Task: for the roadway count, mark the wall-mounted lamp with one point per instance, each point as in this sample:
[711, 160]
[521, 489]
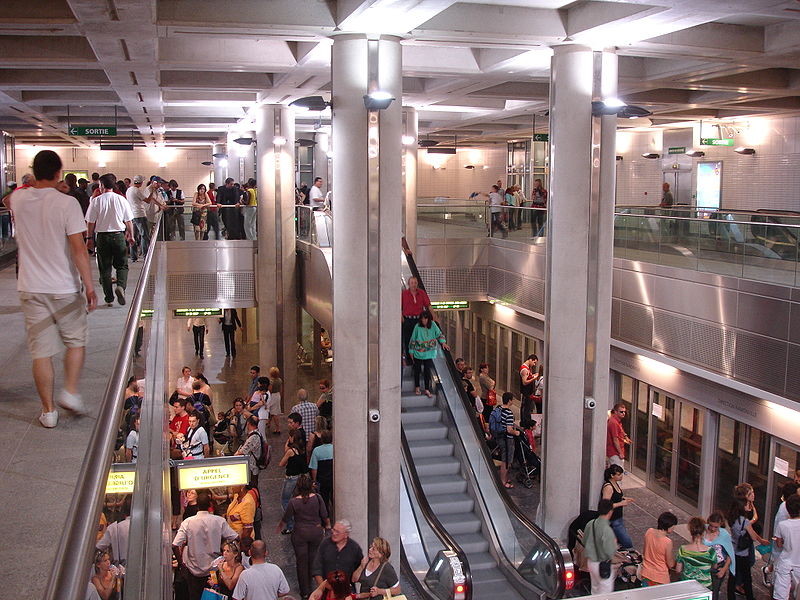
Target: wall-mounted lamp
[313, 103]
[743, 150]
[441, 150]
[279, 140]
[219, 155]
[378, 100]
[619, 157]
[206, 163]
[651, 155]
[244, 141]
[615, 106]
[428, 143]
[696, 153]
[469, 166]
[408, 140]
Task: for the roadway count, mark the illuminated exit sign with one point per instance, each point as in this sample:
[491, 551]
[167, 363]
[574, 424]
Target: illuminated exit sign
[197, 312]
[121, 478]
[450, 305]
[716, 142]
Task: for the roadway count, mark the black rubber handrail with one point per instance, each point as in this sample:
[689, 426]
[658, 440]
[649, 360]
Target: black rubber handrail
[504, 495]
[447, 540]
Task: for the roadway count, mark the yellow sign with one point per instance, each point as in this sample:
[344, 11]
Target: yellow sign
[120, 482]
[450, 305]
[208, 474]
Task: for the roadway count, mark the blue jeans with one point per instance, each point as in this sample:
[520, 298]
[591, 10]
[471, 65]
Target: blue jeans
[143, 227]
[286, 495]
[621, 533]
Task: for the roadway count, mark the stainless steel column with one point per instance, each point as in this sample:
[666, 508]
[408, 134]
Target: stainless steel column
[366, 285]
[410, 131]
[220, 164]
[275, 264]
[567, 305]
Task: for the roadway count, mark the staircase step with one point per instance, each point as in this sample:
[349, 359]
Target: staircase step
[461, 523]
[472, 542]
[444, 465]
[443, 484]
[449, 504]
[425, 431]
[430, 448]
[422, 414]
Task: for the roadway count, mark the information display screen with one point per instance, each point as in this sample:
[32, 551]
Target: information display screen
[709, 184]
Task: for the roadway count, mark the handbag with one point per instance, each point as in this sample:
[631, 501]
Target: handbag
[491, 398]
[743, 542]
[195, 217]
[604, 566]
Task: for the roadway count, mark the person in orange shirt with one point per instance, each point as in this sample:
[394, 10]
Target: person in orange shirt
[658, 557]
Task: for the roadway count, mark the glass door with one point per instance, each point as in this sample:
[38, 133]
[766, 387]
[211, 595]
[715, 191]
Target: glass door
[784, 470]
[662, 418]
[758, 471]
[690, 448]
[641, 430]
[730, 447]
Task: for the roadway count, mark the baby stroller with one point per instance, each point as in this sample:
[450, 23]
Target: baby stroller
[628, 576]
[527, 461]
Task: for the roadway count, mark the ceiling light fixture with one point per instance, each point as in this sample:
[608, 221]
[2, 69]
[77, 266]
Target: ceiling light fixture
[378, 100]
[244, 141]
[696, 153]
[223, 163]
[279, 140]
[408, 140]
[312, 103]
[743, 150]
[441, 150]
[615, 106]
[651, 155]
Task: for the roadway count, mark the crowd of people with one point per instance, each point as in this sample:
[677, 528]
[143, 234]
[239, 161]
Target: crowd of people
[505, 204]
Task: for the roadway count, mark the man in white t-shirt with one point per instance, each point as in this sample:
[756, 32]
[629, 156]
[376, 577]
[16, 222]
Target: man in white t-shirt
[110, 218]
[263, 580]
[787, 538]
[316, 199]
[140, 196]
[52, 264]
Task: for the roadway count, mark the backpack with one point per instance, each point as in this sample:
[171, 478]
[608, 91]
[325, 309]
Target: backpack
[496, 423]
[262, 462]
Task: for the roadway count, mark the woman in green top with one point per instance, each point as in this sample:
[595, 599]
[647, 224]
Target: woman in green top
[694, 561]
[424, 340]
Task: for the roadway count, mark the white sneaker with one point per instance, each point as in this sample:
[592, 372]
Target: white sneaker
[71, 402]
[49, 419]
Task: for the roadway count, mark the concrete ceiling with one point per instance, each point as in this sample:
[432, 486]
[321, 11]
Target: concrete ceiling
[185, 72]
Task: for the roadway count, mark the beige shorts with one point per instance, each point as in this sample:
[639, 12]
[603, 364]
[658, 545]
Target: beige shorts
[53, 321]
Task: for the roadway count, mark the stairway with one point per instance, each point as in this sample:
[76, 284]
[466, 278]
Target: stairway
[447, 490]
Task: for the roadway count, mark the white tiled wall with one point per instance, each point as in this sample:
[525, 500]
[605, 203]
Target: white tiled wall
[638, 179]
[183, 165]
[453, 180]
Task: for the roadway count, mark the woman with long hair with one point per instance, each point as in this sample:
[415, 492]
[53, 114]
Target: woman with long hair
[310, 521]
[742, 537]
[228, 569]
[104, 579]
[611, 490]
[695, 559]
[425, 340]
[200, 204]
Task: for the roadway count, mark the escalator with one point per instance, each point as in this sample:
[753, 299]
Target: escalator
[509, 556]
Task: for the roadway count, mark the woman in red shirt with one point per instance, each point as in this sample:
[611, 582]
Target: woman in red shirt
[413, 301]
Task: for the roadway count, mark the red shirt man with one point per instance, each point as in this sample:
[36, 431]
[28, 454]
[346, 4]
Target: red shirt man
[180, 422]
[414, 300]
[616, 438]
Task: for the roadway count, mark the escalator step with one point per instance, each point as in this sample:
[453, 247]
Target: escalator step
[445, 465]
[443, 484]
[472, 542]
[479, 561]
[422, 414]
[425, 431]
[449, 504]
[430, 448]
[461, 523]
[413, 401]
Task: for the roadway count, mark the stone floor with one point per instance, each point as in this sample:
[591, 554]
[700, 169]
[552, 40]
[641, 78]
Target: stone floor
[38, 467]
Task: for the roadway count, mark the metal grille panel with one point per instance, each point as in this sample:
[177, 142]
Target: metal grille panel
[713, 346]
[793, 367]
[761, 361]
[636, 324]
[211, 288]
[672, 334]
[434, 279]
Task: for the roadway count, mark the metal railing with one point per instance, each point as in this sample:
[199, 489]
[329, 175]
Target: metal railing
[68, 580]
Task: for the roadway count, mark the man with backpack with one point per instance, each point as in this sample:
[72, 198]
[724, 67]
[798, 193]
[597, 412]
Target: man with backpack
[503, 431]
[254, 448]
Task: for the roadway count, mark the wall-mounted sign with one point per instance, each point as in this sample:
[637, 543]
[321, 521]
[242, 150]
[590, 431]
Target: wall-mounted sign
[541, 137]
[716, 142]
[781, 466]
[197, 312]
[450, 305]
[147, 313]
[677, 150]
[93, 130]
[212, 472]
[121, 478]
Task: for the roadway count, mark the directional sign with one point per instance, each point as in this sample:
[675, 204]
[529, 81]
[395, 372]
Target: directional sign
[716, 142]
[94, 130]
[677, 150]
[541, 137]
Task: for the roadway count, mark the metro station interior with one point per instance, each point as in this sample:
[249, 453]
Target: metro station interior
[661, 274]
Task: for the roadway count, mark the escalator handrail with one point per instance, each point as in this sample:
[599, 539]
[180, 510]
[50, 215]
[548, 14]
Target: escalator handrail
[447, 539]
[69, 576]
[537, 532]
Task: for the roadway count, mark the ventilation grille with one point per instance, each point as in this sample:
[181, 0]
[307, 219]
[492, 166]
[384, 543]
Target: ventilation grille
[199, 289]
[454, 281]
